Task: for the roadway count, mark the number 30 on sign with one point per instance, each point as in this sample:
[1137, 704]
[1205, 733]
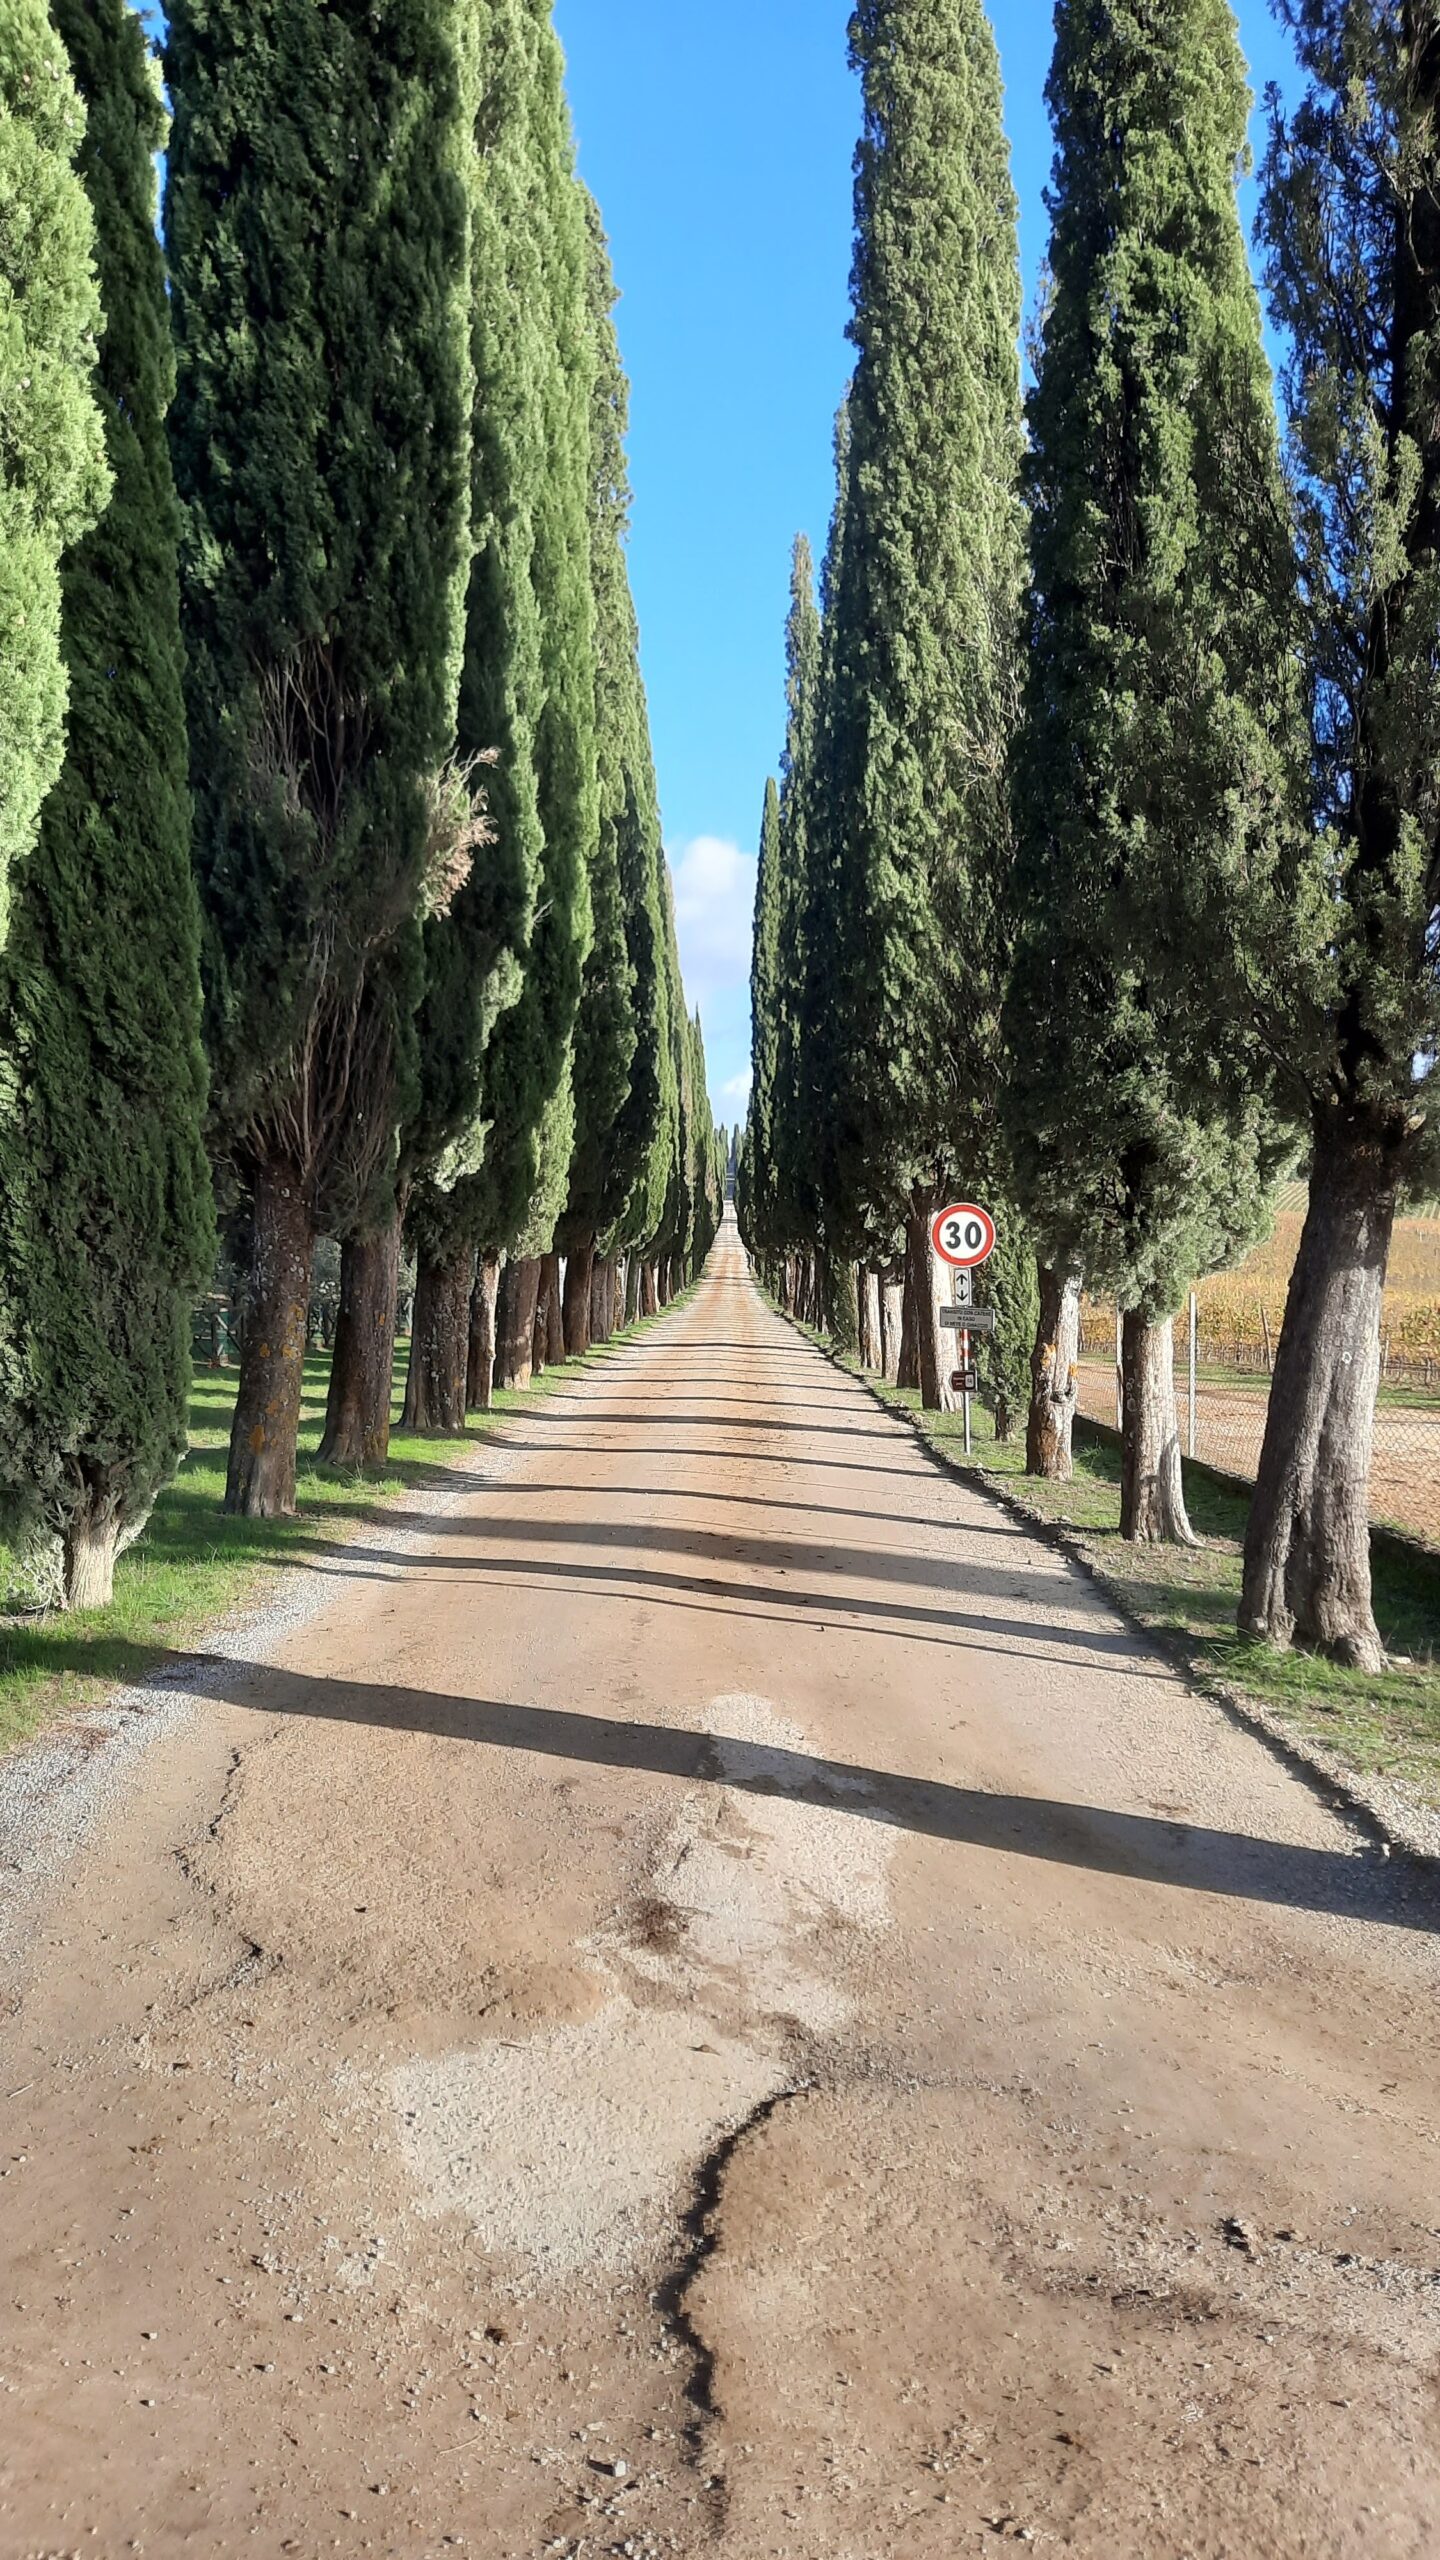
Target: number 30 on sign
[964, 1236]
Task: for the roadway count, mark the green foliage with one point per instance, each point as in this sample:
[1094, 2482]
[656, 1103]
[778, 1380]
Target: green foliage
[609, 1146]
[921, 624]
[1009, 1282]
[1157, 758]
[318, 221]
[52, 466]
[757, 1190]
[519, 1192]
[105, 1227]
[801, 1018]
[1339, 950]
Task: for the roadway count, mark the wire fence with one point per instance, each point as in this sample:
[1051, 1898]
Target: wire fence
[1222, 1391]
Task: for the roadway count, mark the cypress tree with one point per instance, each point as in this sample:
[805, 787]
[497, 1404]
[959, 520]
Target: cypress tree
[1155, 737]
[605, 1158]
[52, 450]
[920, 691]
[105, 1226]
[1338, 948]
[757, 1198]
[318, 223]
[546, 783]
[797, 1131]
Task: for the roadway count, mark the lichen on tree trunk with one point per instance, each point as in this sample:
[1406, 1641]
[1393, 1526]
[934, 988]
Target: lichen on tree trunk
[357, 1413]
[1152, 1492]
[579, 1269]
[480, 1366]
[436, 1382]
[515, 1324]
[260, 1484]
[1307, 1545]
[1054, 1374]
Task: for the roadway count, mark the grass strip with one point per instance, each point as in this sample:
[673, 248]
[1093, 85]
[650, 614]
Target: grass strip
[195, 1565]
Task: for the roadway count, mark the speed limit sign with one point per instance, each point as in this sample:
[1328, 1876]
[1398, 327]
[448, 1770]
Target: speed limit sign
[964, 1236]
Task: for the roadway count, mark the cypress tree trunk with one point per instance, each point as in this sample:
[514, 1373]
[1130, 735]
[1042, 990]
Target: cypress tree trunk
[1307, 1546]
[440, 1344]
[579, 1271]
[632, 1288]
[94, 1538]
[515, 1324]
[907, 1373]
[892, 1324]
[1152, 1493]
[872, 1355]
[844, 1308]
[480, 1366]
[540, 1337]
[362, 1368]
[261, 1480]
[649, 1290]
[550, 1286]
[597, 1301]
[1054, 1389]
[931, 1349]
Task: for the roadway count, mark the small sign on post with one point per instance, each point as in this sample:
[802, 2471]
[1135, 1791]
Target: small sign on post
[964, 1238]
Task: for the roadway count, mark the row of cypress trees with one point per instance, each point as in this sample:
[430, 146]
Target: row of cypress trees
[343, 873]
[1105, 873]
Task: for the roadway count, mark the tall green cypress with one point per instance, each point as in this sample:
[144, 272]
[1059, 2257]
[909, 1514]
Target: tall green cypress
[606, 1030]
[1337, 950]
[920, 691]
[511, 1198]
[758, 1190]
[796, 1133]
[1158, 706]
[52, 453]
[317, 217]
[105, 1223]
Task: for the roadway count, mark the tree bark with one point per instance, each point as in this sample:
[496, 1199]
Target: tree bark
[362, 1367]
[515, 1325]
[540, 1340]
[632, 1288]
[1054, 1379]
[907, 1367]
[550, 1287]
[1152, 1492]
[892, 1323]
[1307, 1546]
[579, 1272]
[440, 1345]
[261, 1481]
[933, 1352]
[480, 1362]
[597, 1301]
[649, 1290]
[92, 1544]
[612, 1297]
[872, 1353]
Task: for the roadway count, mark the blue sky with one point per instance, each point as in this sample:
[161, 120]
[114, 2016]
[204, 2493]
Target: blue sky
[719, 142]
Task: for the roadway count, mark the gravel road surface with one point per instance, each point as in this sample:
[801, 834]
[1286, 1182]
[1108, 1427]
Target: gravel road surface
[705, 1996]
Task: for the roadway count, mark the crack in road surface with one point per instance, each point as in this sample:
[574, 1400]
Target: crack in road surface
[748, 2012]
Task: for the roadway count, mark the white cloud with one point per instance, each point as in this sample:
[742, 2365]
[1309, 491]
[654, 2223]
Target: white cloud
[714, 915]
[738, 1089]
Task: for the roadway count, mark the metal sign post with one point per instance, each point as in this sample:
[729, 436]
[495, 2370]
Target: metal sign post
[963, 1237]
[964, 1297]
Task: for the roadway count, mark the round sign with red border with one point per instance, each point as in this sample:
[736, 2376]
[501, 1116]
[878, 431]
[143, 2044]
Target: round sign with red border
[964, 1236]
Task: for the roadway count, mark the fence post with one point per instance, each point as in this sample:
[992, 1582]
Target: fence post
[1119, 1370]
[1194, 1370]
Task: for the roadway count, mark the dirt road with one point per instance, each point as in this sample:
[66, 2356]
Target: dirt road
[714, 2000]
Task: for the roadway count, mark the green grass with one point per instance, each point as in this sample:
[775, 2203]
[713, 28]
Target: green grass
[1387, 1725]
[195, 1565]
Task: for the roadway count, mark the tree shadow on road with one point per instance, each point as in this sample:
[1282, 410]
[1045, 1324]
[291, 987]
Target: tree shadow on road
[1173, 1853]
